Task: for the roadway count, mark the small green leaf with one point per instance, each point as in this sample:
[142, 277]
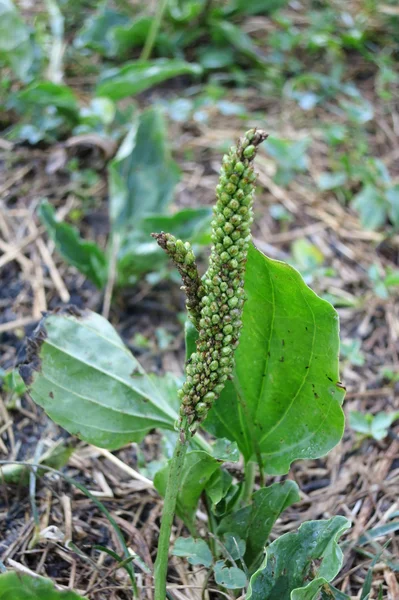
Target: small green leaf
[15, 586]
[392, 278]
[234, 545]
[88, 382]
[351, 349]
[231, 578]
[56, 457]
[87, 257]
[375, 426]
[225, 450]
[195, 550]
[331, 181]
[359, 111]
[288, 155]
[197, 471]
[306, 256]
[372, 207]
[216, 58]
[136, 77]
[254, 522]
[218, 488]
[285, 399]
[295, 558]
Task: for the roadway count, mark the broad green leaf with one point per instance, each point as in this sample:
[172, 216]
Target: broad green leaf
[198, 468]
[15, 46]
[143, 175]
[88, 382]
[372, 207]
[296, 558]
[254, 522]
[46, 93]
[232, 578]
[136, 77]
[15, 586]
[284, 402]
[195, 550]
[87, 257]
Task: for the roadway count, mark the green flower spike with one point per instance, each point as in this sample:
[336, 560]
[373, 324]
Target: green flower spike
[221, 306]
[183, 257]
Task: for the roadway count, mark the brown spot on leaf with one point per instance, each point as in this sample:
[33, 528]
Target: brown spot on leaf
[34, 343]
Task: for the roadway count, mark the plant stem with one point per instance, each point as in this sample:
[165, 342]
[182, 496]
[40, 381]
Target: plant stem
[249, 481]
[261, 470]
[168, 513]
[202, 443]
[152, 34]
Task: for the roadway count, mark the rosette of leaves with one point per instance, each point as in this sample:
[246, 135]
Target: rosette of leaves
[279, 399]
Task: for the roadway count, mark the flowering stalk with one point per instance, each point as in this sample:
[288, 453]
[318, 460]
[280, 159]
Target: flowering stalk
[221, 305]
[183, 256]
[215, 306]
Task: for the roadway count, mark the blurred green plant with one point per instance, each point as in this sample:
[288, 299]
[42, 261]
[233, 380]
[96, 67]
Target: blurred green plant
[20, 586]
[383, 282]
[351, 351]
[142, 179]
[12, 384]
[375, 426]
[290, 158]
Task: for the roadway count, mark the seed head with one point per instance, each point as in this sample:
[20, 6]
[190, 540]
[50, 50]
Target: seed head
[222, 298]
[183, 256]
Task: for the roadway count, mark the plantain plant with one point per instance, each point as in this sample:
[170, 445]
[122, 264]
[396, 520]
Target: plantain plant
[261, 377]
